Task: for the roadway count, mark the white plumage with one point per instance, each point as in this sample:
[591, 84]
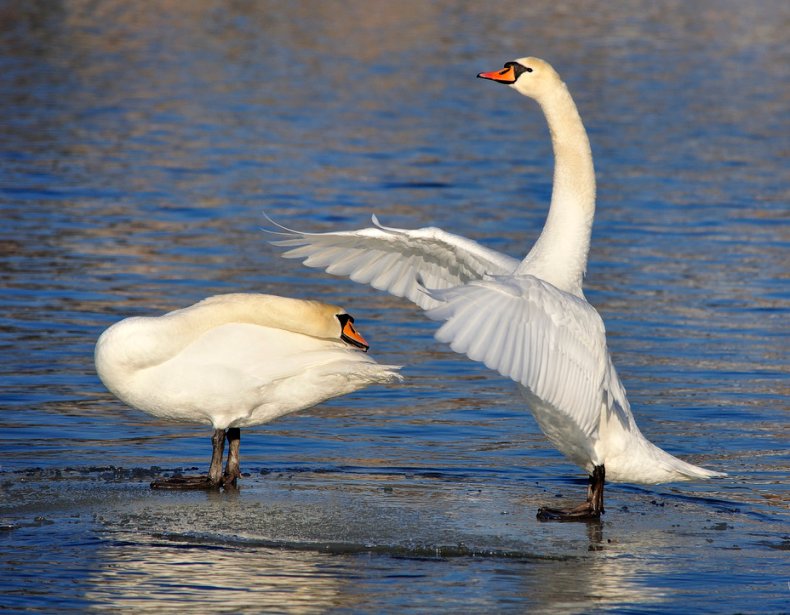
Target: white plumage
[526, 319]
[542, 338]
[236, 360]
[400, 261]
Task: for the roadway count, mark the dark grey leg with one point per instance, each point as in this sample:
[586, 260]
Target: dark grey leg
[232, 470]
[596, 489]
[215, 469]
[214, 478]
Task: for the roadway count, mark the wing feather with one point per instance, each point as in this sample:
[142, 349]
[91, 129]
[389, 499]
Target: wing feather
[505, 356]
[368, 269]
[551, 342]
[400, 261]
[516, 369]
[497, 338]
[540, 359]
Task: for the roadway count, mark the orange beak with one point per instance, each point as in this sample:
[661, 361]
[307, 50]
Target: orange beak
[505, 75]
[351, 336]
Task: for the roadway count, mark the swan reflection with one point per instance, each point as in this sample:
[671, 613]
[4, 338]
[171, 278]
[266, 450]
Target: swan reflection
[163, 576]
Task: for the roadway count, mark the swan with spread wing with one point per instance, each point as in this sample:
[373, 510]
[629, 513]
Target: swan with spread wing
[528, 319]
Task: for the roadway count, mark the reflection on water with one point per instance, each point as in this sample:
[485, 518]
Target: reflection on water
[162, 575]
[158, 576]
[139, 147]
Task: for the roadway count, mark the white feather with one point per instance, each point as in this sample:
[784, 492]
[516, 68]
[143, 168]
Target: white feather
[528, 320]
[534, 306]
[404, 257]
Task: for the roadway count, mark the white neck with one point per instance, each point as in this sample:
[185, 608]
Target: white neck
[560, 254]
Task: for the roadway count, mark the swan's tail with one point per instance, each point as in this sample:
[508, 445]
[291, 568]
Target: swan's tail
[682, 470]
[638, 460]
[649, 464]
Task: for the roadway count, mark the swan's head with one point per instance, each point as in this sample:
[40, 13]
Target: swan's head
[531, 77]
[349, 334]
[322, 320]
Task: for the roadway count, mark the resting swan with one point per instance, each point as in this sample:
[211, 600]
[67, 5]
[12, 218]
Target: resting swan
[526, 319]
[233, 361]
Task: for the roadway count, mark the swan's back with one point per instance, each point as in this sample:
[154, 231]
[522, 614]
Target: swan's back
[215, 362]
[146, 341]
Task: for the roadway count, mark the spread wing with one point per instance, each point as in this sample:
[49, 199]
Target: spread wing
[549, 341]
[400, 261]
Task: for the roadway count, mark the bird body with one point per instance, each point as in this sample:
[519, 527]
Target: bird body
[236, 360]
[528, 319]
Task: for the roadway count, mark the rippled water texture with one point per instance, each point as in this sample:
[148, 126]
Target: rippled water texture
[141, 143]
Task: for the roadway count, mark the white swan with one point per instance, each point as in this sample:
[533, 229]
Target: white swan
[526, 319]
[233, 361]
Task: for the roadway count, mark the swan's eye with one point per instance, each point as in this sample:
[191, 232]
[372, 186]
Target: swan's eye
[518, 69]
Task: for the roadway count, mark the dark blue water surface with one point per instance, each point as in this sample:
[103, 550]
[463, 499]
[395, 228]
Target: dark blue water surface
[140, 144]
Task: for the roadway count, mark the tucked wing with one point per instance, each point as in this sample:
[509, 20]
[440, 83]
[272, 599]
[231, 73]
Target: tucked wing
[549, 341]
[402, 262]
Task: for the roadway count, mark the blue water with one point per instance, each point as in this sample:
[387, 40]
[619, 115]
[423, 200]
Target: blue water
[139, 147]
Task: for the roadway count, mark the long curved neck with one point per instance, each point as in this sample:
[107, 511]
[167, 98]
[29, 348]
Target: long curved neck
[560, 254]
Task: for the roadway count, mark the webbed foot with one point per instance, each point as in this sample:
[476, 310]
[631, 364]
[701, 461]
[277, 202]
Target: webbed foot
[591, 510]
[584, 512]
[185, 483]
